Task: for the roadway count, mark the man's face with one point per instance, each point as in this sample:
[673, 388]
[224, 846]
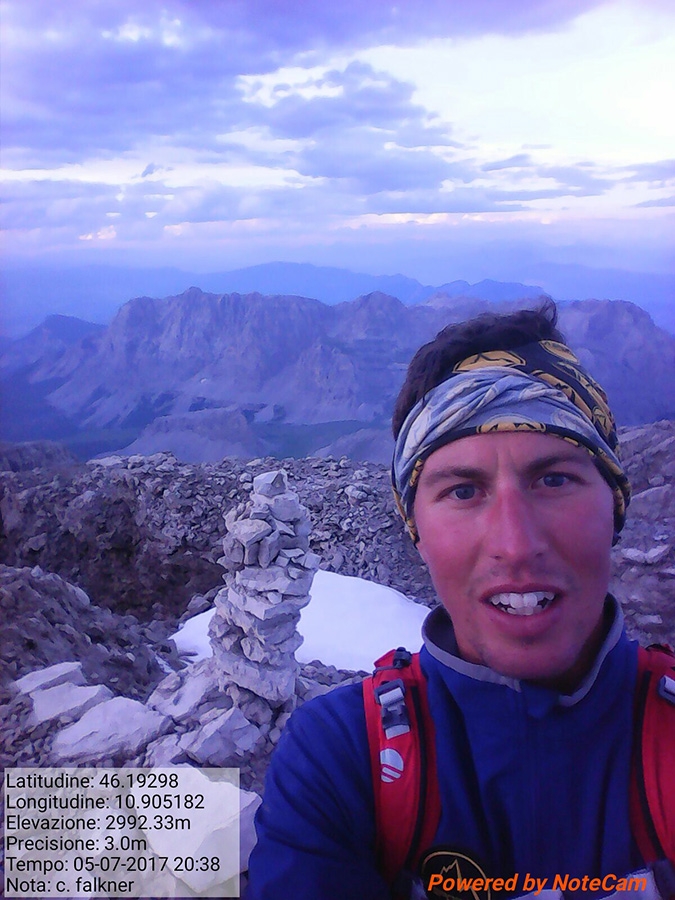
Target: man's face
[507, 520]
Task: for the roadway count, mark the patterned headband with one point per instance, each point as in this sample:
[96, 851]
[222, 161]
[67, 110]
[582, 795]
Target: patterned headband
[540, 387]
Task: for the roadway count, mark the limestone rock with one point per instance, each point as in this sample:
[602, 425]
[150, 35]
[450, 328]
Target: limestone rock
[115, 728]
[275, 685]
[182, 693]
[646, 557]
[249, 531]
[654, 501]
[268, 549]
[61, 673]
[66, 700]
[270, 484]
[233, 553]
[273, 578]
[284, 507]
[165, 751]
[274, 654]
[272, 630]
[266, 607]
[222, 740]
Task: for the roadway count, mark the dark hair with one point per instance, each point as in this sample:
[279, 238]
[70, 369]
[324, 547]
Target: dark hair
[434, 361]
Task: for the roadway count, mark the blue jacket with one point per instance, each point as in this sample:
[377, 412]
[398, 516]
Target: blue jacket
[531, 781]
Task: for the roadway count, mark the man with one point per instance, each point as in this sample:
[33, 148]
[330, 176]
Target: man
[505, 470]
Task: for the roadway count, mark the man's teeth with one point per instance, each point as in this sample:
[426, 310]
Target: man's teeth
[523, 604]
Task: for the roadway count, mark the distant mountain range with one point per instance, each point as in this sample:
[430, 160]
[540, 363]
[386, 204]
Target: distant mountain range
[208, 375]
[31, 293]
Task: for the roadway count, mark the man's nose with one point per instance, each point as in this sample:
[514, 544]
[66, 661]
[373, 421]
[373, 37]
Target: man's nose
[514, 530]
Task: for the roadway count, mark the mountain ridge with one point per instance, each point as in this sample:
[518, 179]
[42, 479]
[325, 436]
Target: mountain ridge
[288, 363]
[30, 293]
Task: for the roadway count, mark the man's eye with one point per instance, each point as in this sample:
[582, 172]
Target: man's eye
[555, 479]
[463, 492]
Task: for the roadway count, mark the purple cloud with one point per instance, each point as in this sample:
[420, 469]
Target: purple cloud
[82, 79]
[125, 78]
[661, 172]
[520, 161]
[661, 201]
[40, 204]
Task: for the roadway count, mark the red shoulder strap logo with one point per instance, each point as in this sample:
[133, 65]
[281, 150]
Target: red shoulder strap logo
[403, 761]
[652, 790]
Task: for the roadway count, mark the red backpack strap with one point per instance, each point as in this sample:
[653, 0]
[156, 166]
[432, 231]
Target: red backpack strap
[403, 761]
[652, 790]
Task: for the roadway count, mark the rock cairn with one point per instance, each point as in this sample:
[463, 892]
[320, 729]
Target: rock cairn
[269, 574]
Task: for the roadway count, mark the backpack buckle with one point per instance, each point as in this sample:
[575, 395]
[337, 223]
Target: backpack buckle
[402, 658]
[666, 688]
[391, 697]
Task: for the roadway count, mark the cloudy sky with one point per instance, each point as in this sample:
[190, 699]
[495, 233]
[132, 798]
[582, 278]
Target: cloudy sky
[438, 138]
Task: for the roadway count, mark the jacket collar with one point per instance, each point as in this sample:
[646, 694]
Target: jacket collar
[439, 639]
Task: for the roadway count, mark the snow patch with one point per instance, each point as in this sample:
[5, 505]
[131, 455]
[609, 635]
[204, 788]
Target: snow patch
[348, 623]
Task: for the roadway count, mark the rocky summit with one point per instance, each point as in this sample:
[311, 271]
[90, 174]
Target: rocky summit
[101, 560]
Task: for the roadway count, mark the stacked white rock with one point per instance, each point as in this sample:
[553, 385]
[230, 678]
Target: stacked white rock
[270, 569]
